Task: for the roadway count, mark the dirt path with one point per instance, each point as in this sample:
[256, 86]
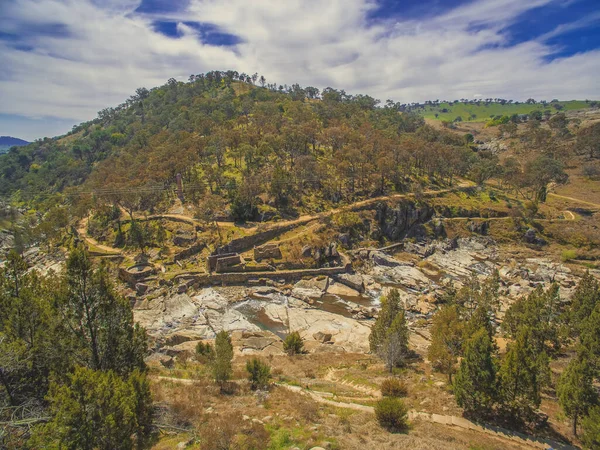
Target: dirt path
[331, 376]
[574, 199]
[523, 440]
[82, 232]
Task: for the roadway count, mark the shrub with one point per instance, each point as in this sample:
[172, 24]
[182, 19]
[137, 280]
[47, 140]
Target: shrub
[392, 414]
[293, 344]
[568, 255]
[393, 387]
[223, 356]
[259, 373]
[204, 352]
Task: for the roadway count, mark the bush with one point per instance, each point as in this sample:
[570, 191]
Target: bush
[293, 344]
[392, 414]
[393, 387]
[259, 373]
[568, 255]
[204, 352]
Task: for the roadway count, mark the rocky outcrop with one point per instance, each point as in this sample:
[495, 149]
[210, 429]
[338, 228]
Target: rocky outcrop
[353, 281]
[395, 222]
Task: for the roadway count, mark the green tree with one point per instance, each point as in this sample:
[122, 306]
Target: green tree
[542, 171]
[591, 429]
[392, 414]
[390, 307]
[475, 382]
[259, 373]
[223, 357]
[99, 321]
[394, 350]
[293, 344]
[575, 390]
[523, 373]
[446, 340]
[584, 300]
[542, 314]
[98, 410]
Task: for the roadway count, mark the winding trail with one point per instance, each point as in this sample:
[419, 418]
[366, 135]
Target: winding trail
[573, 199]
[524, 440]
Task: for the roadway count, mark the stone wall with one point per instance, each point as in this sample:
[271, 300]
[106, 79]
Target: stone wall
[186, 253]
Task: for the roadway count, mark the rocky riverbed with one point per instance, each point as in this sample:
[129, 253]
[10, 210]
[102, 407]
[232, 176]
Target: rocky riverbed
[334, 314]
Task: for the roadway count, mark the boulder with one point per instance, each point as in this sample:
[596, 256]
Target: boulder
[306, 251]
[344, 239]
[353, 281]
[322, 337]
[141, 288]
[342, 290]
[381, 259]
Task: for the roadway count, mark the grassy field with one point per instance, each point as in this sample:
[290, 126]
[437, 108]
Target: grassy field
[483, 112]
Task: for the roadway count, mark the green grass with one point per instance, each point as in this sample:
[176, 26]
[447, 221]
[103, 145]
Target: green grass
[483, 112]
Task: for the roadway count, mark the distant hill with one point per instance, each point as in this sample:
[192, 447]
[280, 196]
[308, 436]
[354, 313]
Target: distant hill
[482, 111]
[7, 142]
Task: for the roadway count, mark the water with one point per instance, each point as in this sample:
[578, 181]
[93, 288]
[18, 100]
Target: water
[253, 309]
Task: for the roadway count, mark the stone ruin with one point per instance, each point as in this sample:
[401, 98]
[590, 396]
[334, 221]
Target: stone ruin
[184, 238]
[219, 263]
[267, 251]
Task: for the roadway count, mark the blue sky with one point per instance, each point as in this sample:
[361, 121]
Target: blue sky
[64, 60]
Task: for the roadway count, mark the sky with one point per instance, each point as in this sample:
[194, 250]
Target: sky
[61, 61]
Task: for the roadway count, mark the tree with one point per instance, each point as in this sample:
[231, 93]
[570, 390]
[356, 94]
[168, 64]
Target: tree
[542, 171]
[394, 350]
[591, 429]
[475, 382]
[446, 340]
[583, 302]
[209, 209]
[391, 413]
[524, 371]
[390, 307]
[259, 373]
[575, 390]
[98, 410]
[293, 344]
[98, 320]
[588, 140]
[589, 338]
[541, 313]
[223, 357]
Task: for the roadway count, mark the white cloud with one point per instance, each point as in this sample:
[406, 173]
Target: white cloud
[110, 51]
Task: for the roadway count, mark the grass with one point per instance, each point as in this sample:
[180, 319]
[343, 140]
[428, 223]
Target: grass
[484, 112]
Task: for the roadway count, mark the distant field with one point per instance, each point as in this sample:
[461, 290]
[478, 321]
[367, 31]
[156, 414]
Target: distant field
[483, 112]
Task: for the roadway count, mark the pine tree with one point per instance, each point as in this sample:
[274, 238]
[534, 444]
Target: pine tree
[522, 375]
[591, 429]
[390, 307]
[98, 410]
[223, 356]
[584, 300]
[475, 382]
[575, 390]
[394, 350]
[446, 340]
[541, 313]
[99, 321]
[590, 338]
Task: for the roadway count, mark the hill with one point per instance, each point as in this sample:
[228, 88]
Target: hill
[7, 142]
[483, 111]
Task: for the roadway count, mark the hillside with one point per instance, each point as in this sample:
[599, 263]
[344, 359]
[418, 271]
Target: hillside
[308, 269]
[7, 142]
[482, 111]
